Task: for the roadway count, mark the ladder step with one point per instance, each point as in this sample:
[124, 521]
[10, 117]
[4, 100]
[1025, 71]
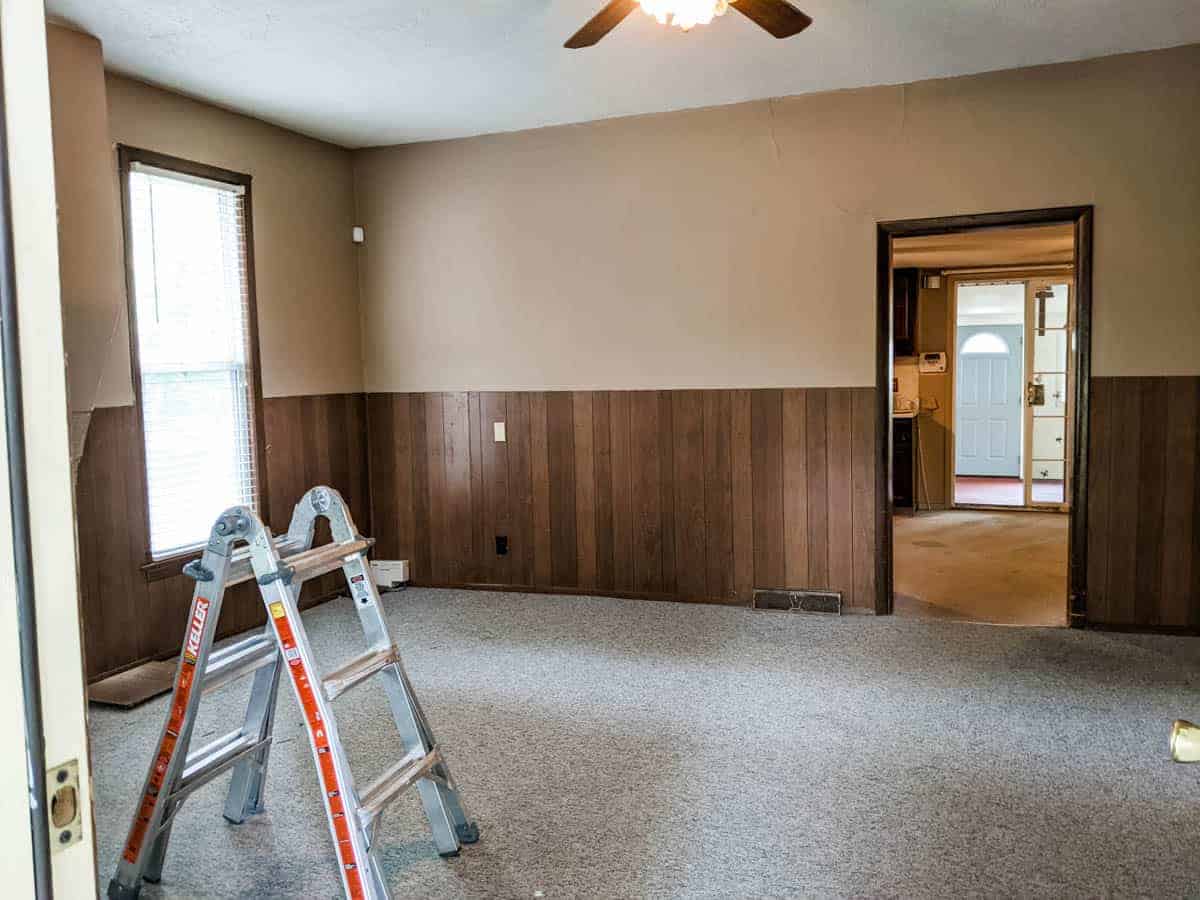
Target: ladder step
[209, 761]
[358, 670]
[328, 558]
[317, 561]
[230, 663]
[392, 783]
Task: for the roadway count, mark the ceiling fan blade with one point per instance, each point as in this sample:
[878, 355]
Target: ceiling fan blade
[778, 17]
[601, 24]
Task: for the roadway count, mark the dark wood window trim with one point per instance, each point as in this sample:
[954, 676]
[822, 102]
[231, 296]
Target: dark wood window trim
[158, 569]
[1082, 218]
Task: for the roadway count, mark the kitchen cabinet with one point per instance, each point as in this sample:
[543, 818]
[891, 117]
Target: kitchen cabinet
[906, 284]
[903, 462]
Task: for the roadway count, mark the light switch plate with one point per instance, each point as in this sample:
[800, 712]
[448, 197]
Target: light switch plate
[498, 428]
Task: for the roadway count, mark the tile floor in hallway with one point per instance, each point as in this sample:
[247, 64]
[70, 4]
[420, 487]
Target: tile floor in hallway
[990, 491]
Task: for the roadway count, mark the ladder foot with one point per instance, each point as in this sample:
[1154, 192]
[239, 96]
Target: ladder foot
[118, 891]
[468, 832]
[252, 811]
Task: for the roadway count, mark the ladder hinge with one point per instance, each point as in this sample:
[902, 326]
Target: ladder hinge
[284, 573]
[196, 569]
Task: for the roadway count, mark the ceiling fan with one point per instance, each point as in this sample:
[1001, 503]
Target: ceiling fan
[778, 17]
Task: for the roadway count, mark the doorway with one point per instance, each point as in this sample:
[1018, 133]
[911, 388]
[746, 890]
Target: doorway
[1008, 406]
[1012, 390]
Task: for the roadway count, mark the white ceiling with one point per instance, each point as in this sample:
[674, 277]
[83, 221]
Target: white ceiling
[371, 72]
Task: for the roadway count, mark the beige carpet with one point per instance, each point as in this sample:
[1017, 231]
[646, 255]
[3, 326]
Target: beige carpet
[621, 750]
[1004, 567]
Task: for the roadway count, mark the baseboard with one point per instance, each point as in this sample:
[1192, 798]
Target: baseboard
[1176, 630]
[579, 592]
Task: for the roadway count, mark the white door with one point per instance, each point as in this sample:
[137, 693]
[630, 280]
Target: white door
[987, 396]
[33, 223]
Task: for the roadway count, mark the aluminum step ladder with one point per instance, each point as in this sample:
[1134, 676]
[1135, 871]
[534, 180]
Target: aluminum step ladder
[281, 565]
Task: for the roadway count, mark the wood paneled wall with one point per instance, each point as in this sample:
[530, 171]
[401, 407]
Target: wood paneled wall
[690, 495]
[1144, 502]
[310, 440]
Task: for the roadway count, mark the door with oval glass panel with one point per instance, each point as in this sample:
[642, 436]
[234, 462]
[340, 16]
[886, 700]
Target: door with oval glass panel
[1049, 391]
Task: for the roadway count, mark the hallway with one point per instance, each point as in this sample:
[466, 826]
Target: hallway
[1002, 567]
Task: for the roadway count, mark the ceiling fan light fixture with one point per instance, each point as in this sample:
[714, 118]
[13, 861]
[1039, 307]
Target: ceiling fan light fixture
[685, 14]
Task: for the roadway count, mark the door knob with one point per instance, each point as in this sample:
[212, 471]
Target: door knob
[1035, 394]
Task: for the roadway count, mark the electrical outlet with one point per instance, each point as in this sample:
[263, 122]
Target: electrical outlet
[501, 545]
[498, 429]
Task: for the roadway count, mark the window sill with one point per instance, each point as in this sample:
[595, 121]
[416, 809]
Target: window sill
[169, 566]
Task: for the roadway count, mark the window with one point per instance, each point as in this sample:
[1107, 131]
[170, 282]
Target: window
[192, 323]
[984, 342]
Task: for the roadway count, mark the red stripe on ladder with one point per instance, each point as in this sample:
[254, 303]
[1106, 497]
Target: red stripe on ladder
[335, 803]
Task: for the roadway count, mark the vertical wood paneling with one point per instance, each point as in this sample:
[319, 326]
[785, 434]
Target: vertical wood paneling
[480, 564]
[694, 494]
[421, 564]
[560, 431]
[1144, 502]
[839, 493]
[399, 439]
[520, 487]
[602, 448]
[816, 435]
[1152, 454]
[283, 425]
[496, 501]
[585, 489]
[646, 482]
[622, 492]
[795, 487]
[439, 496]
[1122, 554]
[742, 464]
[457, 430]
[1193, 613]
[766, 438]
[718, 494]
[382, 460]
[539, 467]
[687, 415]
[666, 476]
[1181, 505]
[127, 619]
[1101, 440]
[865, 514]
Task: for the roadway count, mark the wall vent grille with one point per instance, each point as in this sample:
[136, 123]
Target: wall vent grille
[829, 602]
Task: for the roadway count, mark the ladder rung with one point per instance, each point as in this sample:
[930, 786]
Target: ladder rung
[392, 783]
[319, 560]
[232, 662]
[308, 563]
[358, 670]
[206, 763]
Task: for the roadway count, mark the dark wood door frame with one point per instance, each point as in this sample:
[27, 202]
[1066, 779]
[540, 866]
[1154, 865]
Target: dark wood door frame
[1081, 217]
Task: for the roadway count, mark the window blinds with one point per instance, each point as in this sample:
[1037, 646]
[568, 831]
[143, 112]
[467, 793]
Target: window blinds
[191, 302]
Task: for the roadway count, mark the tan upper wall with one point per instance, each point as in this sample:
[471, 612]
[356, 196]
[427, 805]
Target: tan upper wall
[90, 253]
[735, 246]
[305, 266]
